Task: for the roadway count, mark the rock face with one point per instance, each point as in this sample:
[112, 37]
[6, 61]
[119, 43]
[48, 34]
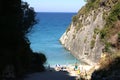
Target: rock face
[87, 35]
[82, 38]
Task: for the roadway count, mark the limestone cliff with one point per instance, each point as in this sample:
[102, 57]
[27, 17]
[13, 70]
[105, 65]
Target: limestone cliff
[83, 37]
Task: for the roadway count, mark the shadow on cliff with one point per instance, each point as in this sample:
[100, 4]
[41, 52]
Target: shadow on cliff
[108, 72]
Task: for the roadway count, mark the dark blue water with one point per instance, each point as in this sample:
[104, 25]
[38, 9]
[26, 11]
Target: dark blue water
[44, 37]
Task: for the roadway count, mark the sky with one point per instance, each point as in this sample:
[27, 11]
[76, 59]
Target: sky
[56, 5]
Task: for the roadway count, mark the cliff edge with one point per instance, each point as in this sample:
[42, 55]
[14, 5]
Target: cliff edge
[90, 30]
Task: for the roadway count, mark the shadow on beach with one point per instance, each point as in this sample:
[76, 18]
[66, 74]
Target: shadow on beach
[50, 75]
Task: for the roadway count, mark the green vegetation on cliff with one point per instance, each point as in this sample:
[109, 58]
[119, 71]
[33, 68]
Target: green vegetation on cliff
[91, 5]
[111, 23]
[113, 16]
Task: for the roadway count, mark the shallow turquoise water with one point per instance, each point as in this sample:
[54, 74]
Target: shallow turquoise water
[44, 37]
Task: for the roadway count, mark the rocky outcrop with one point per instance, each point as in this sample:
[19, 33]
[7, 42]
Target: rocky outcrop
[85, 43]
[95, 29]
[82, 38]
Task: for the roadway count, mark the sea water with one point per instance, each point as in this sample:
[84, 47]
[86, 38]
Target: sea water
[45, 35]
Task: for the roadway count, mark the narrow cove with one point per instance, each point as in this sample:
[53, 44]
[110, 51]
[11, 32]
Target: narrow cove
[44, 37]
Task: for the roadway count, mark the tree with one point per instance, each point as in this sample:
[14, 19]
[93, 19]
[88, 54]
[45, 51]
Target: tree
[15, 22]
[28, 17]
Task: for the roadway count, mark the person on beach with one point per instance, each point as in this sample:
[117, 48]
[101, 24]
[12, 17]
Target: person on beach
[76, 66]
[58, 67]
[78, 71]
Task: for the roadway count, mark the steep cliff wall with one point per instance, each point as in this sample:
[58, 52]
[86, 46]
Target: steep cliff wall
[83, 37]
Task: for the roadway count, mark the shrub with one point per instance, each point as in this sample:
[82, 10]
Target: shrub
[92, 4]
[92, 44]
[78, 26]
[85, 40]
[96, 30]
[74, 18]
[94, 36]
[107, 46]
[119, 35]
[113, 15]
[39, 58]
[68, 29]
[103, 33]
[107, 31]
[74, 36]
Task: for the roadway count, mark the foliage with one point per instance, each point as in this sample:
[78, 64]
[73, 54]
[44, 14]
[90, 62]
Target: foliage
[113, 16]
[74, 18]
[103, 33]
[92, 4]
[96, 30]
[108, 30]
[107, 47]
[38, 59]
[119, 35]
[85, 39]
[76, 22]
[74, 36]
[92, 44]
[28, 17]
[92, 0]
[68, 29]
[15, 22]
[94, 36]
[78, 26]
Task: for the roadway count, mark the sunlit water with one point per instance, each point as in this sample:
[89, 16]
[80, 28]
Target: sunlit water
[44, 37]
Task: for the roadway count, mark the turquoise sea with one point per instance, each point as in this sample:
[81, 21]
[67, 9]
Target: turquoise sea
[45, 35]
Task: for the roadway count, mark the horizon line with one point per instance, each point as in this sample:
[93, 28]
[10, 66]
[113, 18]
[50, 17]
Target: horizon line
[54, 12]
